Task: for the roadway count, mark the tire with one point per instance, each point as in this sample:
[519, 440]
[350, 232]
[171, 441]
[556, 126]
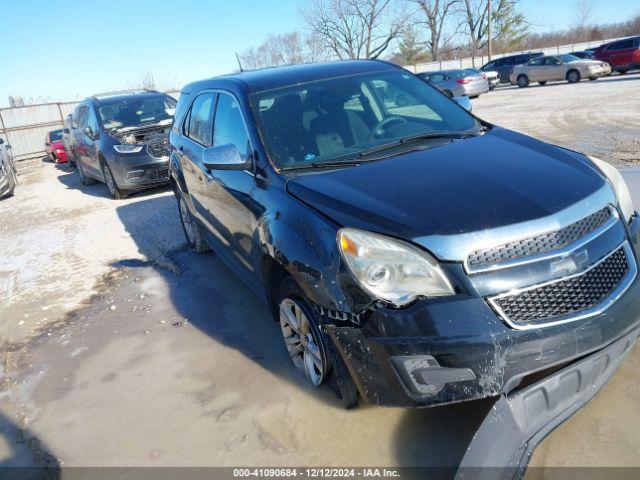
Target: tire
[86, 181]
[192, 230]
[448, 93]
[573, 76]
[309, 346]
[110, 182]
[523, 81]
[542, 83]
[593, 79]
[621, 72]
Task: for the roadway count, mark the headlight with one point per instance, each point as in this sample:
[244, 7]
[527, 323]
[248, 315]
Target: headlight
[127, 148]
[619, 186]
[390, 269]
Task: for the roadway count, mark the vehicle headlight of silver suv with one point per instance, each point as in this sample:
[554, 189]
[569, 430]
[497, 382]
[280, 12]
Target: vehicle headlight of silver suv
[619, 186]
[390, 269]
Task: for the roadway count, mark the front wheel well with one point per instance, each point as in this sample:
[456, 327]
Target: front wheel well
[272, 275]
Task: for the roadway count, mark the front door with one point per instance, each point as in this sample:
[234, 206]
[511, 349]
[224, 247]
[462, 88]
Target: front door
[227, 193]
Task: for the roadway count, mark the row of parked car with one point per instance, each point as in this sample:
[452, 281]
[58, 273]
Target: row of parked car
[535, 67]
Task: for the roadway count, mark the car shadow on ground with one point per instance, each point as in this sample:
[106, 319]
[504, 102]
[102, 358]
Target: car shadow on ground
[25, 456]
[221, 306]
[70, 179]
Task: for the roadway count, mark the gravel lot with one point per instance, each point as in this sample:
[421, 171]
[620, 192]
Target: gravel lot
[119, 347]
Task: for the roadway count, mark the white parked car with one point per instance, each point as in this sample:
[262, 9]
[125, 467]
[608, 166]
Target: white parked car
[8, 172]
[558, 67]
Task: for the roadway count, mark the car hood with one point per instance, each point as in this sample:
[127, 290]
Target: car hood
[497, 179]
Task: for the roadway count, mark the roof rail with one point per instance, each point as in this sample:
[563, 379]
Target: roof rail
[123, 92]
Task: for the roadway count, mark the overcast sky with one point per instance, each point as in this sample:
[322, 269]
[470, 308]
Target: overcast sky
[66, 49]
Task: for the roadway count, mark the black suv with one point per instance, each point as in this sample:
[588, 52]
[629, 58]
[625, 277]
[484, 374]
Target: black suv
[121, 139]
[413, 254]
[504, 65]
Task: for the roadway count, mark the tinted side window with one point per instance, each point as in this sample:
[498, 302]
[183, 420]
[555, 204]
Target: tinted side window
[507, 62]
[200, 118]
[520, 59]
[82, 117]
[537, 62]
[229, 128]
[622, 45]
[551, 61]
[92, 121]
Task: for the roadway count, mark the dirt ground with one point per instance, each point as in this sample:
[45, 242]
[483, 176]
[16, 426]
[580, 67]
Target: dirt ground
[120, 348]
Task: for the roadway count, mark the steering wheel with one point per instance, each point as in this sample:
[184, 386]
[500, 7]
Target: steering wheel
[380, 128]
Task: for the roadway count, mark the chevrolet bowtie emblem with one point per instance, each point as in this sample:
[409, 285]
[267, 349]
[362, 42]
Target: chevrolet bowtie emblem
[570, 264]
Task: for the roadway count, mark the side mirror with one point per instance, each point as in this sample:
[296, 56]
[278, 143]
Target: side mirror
[1, 141]
[66, 130]
[224, 157]
[464, 102]
[47, 143]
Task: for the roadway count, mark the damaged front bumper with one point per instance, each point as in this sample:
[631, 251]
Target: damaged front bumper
[139, 171]
[454, 349]
[519, 421]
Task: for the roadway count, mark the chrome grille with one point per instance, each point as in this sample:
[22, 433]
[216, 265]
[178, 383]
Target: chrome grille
[585, 291]
[158, 146]
[545, 243]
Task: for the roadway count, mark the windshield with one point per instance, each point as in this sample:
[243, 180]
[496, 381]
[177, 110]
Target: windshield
[568, 58]
[132, 112]
[317, 122]
[55, 135]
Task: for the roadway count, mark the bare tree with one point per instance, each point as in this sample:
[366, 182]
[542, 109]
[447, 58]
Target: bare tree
[435, 14]
[584, 13]
[286, 49]
[508, 26]
[352, 29]
[148, 81]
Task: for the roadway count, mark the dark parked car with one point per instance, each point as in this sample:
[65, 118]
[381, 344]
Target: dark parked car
[585, 55]
[8, 172]
[413, 255]
[121, 139]
[504, 65]
[622, 55]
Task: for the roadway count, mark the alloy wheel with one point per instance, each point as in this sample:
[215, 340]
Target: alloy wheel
[301, 342]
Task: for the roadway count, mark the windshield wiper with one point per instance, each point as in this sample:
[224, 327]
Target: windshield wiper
[414, 138]
[356, 159]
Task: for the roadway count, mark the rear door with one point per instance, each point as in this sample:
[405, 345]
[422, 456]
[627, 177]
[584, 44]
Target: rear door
[80, 144]
[197, 134]
[92, 141]
[553, 69]
[536, 70]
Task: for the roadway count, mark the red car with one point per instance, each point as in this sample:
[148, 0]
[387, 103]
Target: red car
[622, 55]
[54, 147]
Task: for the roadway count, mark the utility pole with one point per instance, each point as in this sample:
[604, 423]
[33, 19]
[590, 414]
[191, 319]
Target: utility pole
[489, 29]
